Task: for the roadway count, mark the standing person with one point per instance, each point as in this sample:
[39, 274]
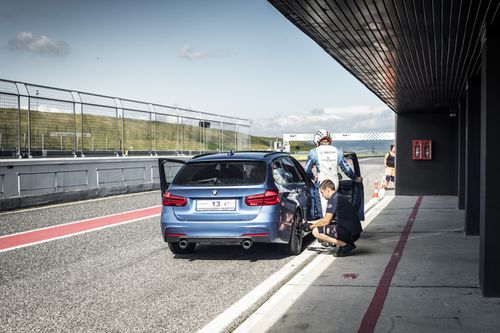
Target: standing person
[340, 226]
[390, 167]
[327, 159]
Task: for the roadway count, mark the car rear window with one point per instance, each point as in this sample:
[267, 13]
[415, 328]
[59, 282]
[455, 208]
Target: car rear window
[221, 173]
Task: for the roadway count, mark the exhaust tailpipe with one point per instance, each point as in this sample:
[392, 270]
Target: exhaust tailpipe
[183, 244]
[246, 244]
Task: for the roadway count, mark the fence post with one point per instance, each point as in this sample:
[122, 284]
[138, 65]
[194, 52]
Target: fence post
[155, 131]
[219, 135]
[201, 126]
[235, 134]
[29, 128]
[178, 130]
[81, 113]
[150, 132]
[123, 131]
[75, 140]
[18, 152]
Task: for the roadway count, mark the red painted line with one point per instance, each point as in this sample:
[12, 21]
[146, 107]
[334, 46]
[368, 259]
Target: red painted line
[377, 304]
[45, 234]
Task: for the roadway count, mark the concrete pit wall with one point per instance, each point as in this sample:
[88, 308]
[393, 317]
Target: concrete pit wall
[33, 182]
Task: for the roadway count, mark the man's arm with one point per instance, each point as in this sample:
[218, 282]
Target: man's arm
[322, 221]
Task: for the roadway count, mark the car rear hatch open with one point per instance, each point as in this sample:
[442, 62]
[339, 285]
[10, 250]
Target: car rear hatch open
[219, 191]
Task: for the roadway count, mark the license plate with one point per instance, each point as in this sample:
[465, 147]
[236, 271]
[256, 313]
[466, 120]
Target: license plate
[216, 205]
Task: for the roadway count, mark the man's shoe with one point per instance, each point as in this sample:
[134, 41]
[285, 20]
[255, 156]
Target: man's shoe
[344, 250]
[326, 244]
[338, 252]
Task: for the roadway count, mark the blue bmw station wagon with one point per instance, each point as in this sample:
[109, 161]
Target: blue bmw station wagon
[234, 198]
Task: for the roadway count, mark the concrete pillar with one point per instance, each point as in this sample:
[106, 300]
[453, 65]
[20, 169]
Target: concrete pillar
[461, 153]
[472, 153]
[489, 261]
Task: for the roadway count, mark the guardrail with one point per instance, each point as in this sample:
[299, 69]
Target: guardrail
[42, 121]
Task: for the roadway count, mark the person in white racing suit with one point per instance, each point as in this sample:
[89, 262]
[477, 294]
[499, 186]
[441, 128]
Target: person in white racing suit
[327, 159]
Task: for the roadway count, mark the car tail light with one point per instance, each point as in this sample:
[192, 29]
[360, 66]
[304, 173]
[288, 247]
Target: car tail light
[266, 199]
[256, 235]
[173, 200]
[175, 235]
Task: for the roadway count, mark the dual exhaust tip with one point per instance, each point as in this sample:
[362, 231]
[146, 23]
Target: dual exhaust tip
[183, 244]
[246, 244]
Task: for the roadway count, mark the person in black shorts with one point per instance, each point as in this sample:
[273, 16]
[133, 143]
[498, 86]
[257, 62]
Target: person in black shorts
[390, 167]
[340, 226]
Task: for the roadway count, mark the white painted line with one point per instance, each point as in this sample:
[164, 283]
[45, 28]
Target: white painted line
[281, 298]
[370, 204]
[228, 319]
[370, 216]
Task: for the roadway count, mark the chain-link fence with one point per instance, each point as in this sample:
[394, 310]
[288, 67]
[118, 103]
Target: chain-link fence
[40, 121]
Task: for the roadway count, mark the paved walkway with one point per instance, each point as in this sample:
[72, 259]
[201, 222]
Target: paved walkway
[414, 271]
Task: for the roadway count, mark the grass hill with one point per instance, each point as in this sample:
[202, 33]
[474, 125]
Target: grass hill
[103, 131]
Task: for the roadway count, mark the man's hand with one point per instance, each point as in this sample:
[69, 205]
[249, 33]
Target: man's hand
[359, 179]
[307, 226]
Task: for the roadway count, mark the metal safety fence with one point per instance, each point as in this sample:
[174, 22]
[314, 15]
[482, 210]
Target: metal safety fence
[42, 121]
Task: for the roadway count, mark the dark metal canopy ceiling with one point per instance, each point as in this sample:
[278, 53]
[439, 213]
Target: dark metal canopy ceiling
[415, 55]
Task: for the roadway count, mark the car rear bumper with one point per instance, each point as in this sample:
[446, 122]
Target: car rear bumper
[218, 240]
[222, 233]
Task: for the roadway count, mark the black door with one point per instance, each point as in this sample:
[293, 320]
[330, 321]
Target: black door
[354, 191]
[167, 169]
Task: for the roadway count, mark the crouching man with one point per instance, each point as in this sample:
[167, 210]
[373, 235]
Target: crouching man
[340, 227]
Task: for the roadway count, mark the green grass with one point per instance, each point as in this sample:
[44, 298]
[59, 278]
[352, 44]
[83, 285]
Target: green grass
[262, 142]
[301, 146]
[53, 131]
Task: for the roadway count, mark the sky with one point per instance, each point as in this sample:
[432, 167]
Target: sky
[232, 57]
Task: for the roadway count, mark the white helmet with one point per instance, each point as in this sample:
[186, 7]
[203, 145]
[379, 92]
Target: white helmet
[320, 136]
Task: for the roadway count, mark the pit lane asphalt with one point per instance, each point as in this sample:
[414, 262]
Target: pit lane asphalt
[122, 278]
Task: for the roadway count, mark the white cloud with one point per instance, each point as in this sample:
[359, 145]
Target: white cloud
[358, 118]
[187, 52]
[26, 41]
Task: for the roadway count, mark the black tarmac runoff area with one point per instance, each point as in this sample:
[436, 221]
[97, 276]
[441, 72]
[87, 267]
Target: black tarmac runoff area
[122, 278]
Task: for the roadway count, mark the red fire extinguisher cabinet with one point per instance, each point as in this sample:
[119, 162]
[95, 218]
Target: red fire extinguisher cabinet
[422, 149]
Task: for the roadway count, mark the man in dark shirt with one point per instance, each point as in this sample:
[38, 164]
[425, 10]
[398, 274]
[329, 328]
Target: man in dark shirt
[340, 226]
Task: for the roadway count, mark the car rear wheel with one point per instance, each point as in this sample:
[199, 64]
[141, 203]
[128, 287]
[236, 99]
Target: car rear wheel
[175, 248]
[294, 246]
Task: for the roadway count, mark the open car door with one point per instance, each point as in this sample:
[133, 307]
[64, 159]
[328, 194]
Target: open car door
[168, 168]
[354, 191]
